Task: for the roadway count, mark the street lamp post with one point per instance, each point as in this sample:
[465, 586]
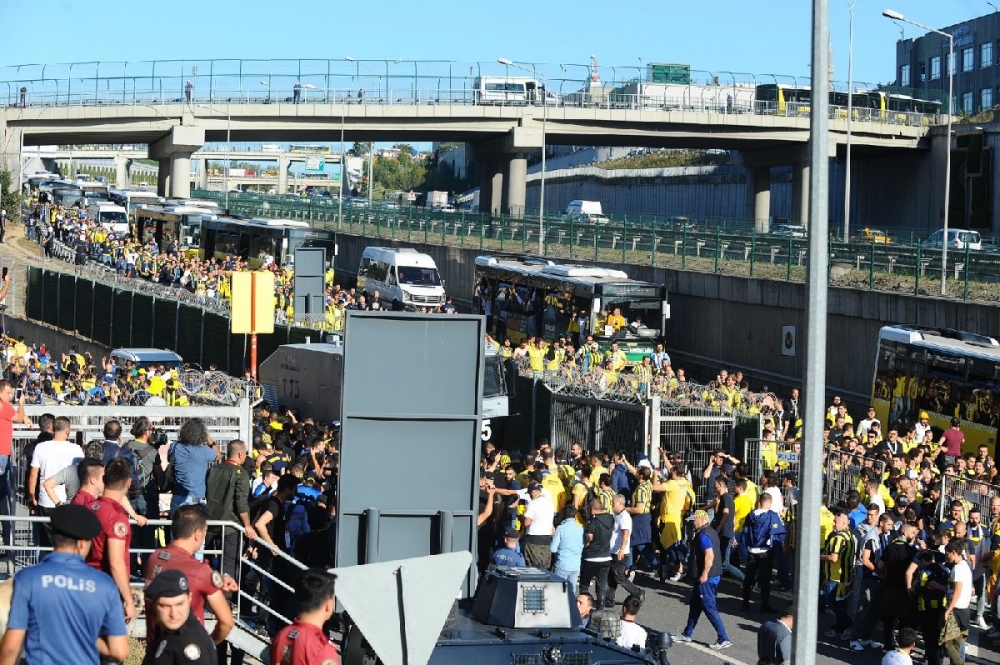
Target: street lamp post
[308, 87]
[850, 120]
[896, 16]
[545, 117]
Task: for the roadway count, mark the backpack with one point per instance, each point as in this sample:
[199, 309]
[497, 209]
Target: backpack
[145, 458]
[135, 489]
[297, 514]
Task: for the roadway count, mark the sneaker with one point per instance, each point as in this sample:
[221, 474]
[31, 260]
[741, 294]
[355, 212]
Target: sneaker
[676, 577]
[681, 638]
[832, 633]
[630, 574]
[857, 645]
[719, 646]
[981, 624]
[872, 644]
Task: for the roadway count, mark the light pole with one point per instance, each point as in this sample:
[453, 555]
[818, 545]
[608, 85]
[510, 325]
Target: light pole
[896, 16]
[545, 116]
[850, 120]
[308, 87]
[268, 86]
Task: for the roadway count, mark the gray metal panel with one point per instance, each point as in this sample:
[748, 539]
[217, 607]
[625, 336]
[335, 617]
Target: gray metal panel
[411, 420]
[309, 287]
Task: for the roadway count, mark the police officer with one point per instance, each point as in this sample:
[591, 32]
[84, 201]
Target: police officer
[81, 604]
[305, 642]
[509, 555]
[180, 638]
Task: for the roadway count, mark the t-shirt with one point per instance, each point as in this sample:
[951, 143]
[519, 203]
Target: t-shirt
[114, 526]
[724, 521]
[202, 581]
[777, 500]
[51, 457]
[953, 439]
[69, 478]
[742, 506]
[896, 657]
[7, 413]
[602, 526]
[962, 573]
[632, 634]
[541, 513]
[191, 468]
[303, 644]
[623, 523]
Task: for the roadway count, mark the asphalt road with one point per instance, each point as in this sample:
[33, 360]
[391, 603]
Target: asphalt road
[666, 608]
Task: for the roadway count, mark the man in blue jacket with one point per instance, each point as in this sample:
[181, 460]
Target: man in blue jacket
[763, 533]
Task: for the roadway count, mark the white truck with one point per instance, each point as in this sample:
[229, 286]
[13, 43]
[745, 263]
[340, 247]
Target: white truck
[401, 274]
[585, 211]
[436, 199]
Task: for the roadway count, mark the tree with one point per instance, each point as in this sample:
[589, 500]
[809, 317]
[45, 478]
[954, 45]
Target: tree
[362, 148]
[10, 198]
[405, 149]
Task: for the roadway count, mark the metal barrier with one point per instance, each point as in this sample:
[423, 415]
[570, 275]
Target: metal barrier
[972, 493]
[27, 552]
[779, 456]
[599, 424]
[843, 472]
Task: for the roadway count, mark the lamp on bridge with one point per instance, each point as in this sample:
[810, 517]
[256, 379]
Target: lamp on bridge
[268, 86]
[896, 16]
[308, 87]
[506, 62]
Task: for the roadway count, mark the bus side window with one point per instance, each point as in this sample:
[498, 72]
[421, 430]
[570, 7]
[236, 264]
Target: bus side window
[363, 269]
[390, 279]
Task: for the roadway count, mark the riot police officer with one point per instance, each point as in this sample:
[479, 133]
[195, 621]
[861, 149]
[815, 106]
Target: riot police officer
[180, 637]
[81, 604]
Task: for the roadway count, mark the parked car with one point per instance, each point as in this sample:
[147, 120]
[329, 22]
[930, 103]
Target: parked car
[793, 230]
[957, 239]
[445, 207]
[874, 236]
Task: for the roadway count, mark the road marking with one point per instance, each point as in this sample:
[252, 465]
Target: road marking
[721, 655]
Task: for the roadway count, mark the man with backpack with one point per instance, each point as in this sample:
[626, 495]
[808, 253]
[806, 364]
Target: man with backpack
[144, 495]
[113, 449]
[270, 526]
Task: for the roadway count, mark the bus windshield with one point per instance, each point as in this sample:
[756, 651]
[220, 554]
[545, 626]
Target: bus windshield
[113, 217]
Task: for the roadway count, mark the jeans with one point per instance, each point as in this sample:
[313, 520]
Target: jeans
[839, 607]
[178, 500]
[571, 576]
[703, 600]
[595, 571]
[727, 550]
[865, 618]
[979, 586]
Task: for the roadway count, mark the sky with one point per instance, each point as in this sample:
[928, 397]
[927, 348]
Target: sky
[753, 36]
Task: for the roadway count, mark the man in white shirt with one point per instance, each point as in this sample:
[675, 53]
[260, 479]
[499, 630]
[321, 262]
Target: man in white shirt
[632, 635]
[48, 459]
[539, 526]
[907, 639]
[770, 482]
[620, 544]
[961, 598]
[865, 425]
[923, 426]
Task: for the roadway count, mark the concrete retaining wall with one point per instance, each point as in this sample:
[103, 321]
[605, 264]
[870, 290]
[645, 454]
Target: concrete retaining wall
[55, 339]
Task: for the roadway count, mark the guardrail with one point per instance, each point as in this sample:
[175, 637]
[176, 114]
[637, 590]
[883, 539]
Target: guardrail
[903, 265]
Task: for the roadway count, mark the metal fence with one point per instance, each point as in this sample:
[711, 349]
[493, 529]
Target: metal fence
[902, 264]
[123, 317]
[599, 424]
[843, 473]
[972, 493]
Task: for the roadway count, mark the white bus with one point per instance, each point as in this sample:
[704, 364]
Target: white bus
[131, 199]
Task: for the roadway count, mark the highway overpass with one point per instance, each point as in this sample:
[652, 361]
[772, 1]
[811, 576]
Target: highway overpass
[501, 136]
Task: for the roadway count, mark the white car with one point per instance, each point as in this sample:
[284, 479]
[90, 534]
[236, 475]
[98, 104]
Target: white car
[957, 239]
[793, 230]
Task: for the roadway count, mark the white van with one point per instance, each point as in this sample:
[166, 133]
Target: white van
[403, 274]
[585, 211]
[110, 216]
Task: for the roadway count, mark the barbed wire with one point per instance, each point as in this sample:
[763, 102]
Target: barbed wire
[629, 388]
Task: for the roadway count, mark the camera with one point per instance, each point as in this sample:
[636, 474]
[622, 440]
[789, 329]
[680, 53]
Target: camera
[158, 438]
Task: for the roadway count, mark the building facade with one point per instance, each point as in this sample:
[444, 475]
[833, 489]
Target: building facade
[922, 64]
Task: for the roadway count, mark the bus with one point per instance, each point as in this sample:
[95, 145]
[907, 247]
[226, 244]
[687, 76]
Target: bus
[783, 99]
[166, 224]
[260, 240]
[527, 296]
[310, 149]
[132, 200]
[943, 372]
[868, 105]
[509, 91]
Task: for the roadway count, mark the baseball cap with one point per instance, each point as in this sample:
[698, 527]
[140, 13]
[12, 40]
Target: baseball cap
[698, 515]
[511, 532]
[533, 487]
[645, 463]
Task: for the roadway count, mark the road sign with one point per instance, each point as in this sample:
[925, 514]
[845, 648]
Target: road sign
[315, 164]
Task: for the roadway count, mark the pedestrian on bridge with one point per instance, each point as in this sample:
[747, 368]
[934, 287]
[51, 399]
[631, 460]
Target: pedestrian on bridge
[188, 91]
[296, 92]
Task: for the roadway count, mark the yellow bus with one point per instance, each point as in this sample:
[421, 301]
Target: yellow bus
[166, 224]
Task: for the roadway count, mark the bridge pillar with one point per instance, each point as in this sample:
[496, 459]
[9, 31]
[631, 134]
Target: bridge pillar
[516, 182]
[177, 148]
[121, 172]
[759, 190]
[163, 178]
[800, 195]
[10, 144]
[283, 164]
[490, 186]
[203, 180]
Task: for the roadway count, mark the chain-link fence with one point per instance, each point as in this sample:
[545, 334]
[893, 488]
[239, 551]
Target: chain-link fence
[972, 493]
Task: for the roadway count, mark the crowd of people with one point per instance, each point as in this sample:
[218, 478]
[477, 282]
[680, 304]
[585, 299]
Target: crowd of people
[598, 518]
